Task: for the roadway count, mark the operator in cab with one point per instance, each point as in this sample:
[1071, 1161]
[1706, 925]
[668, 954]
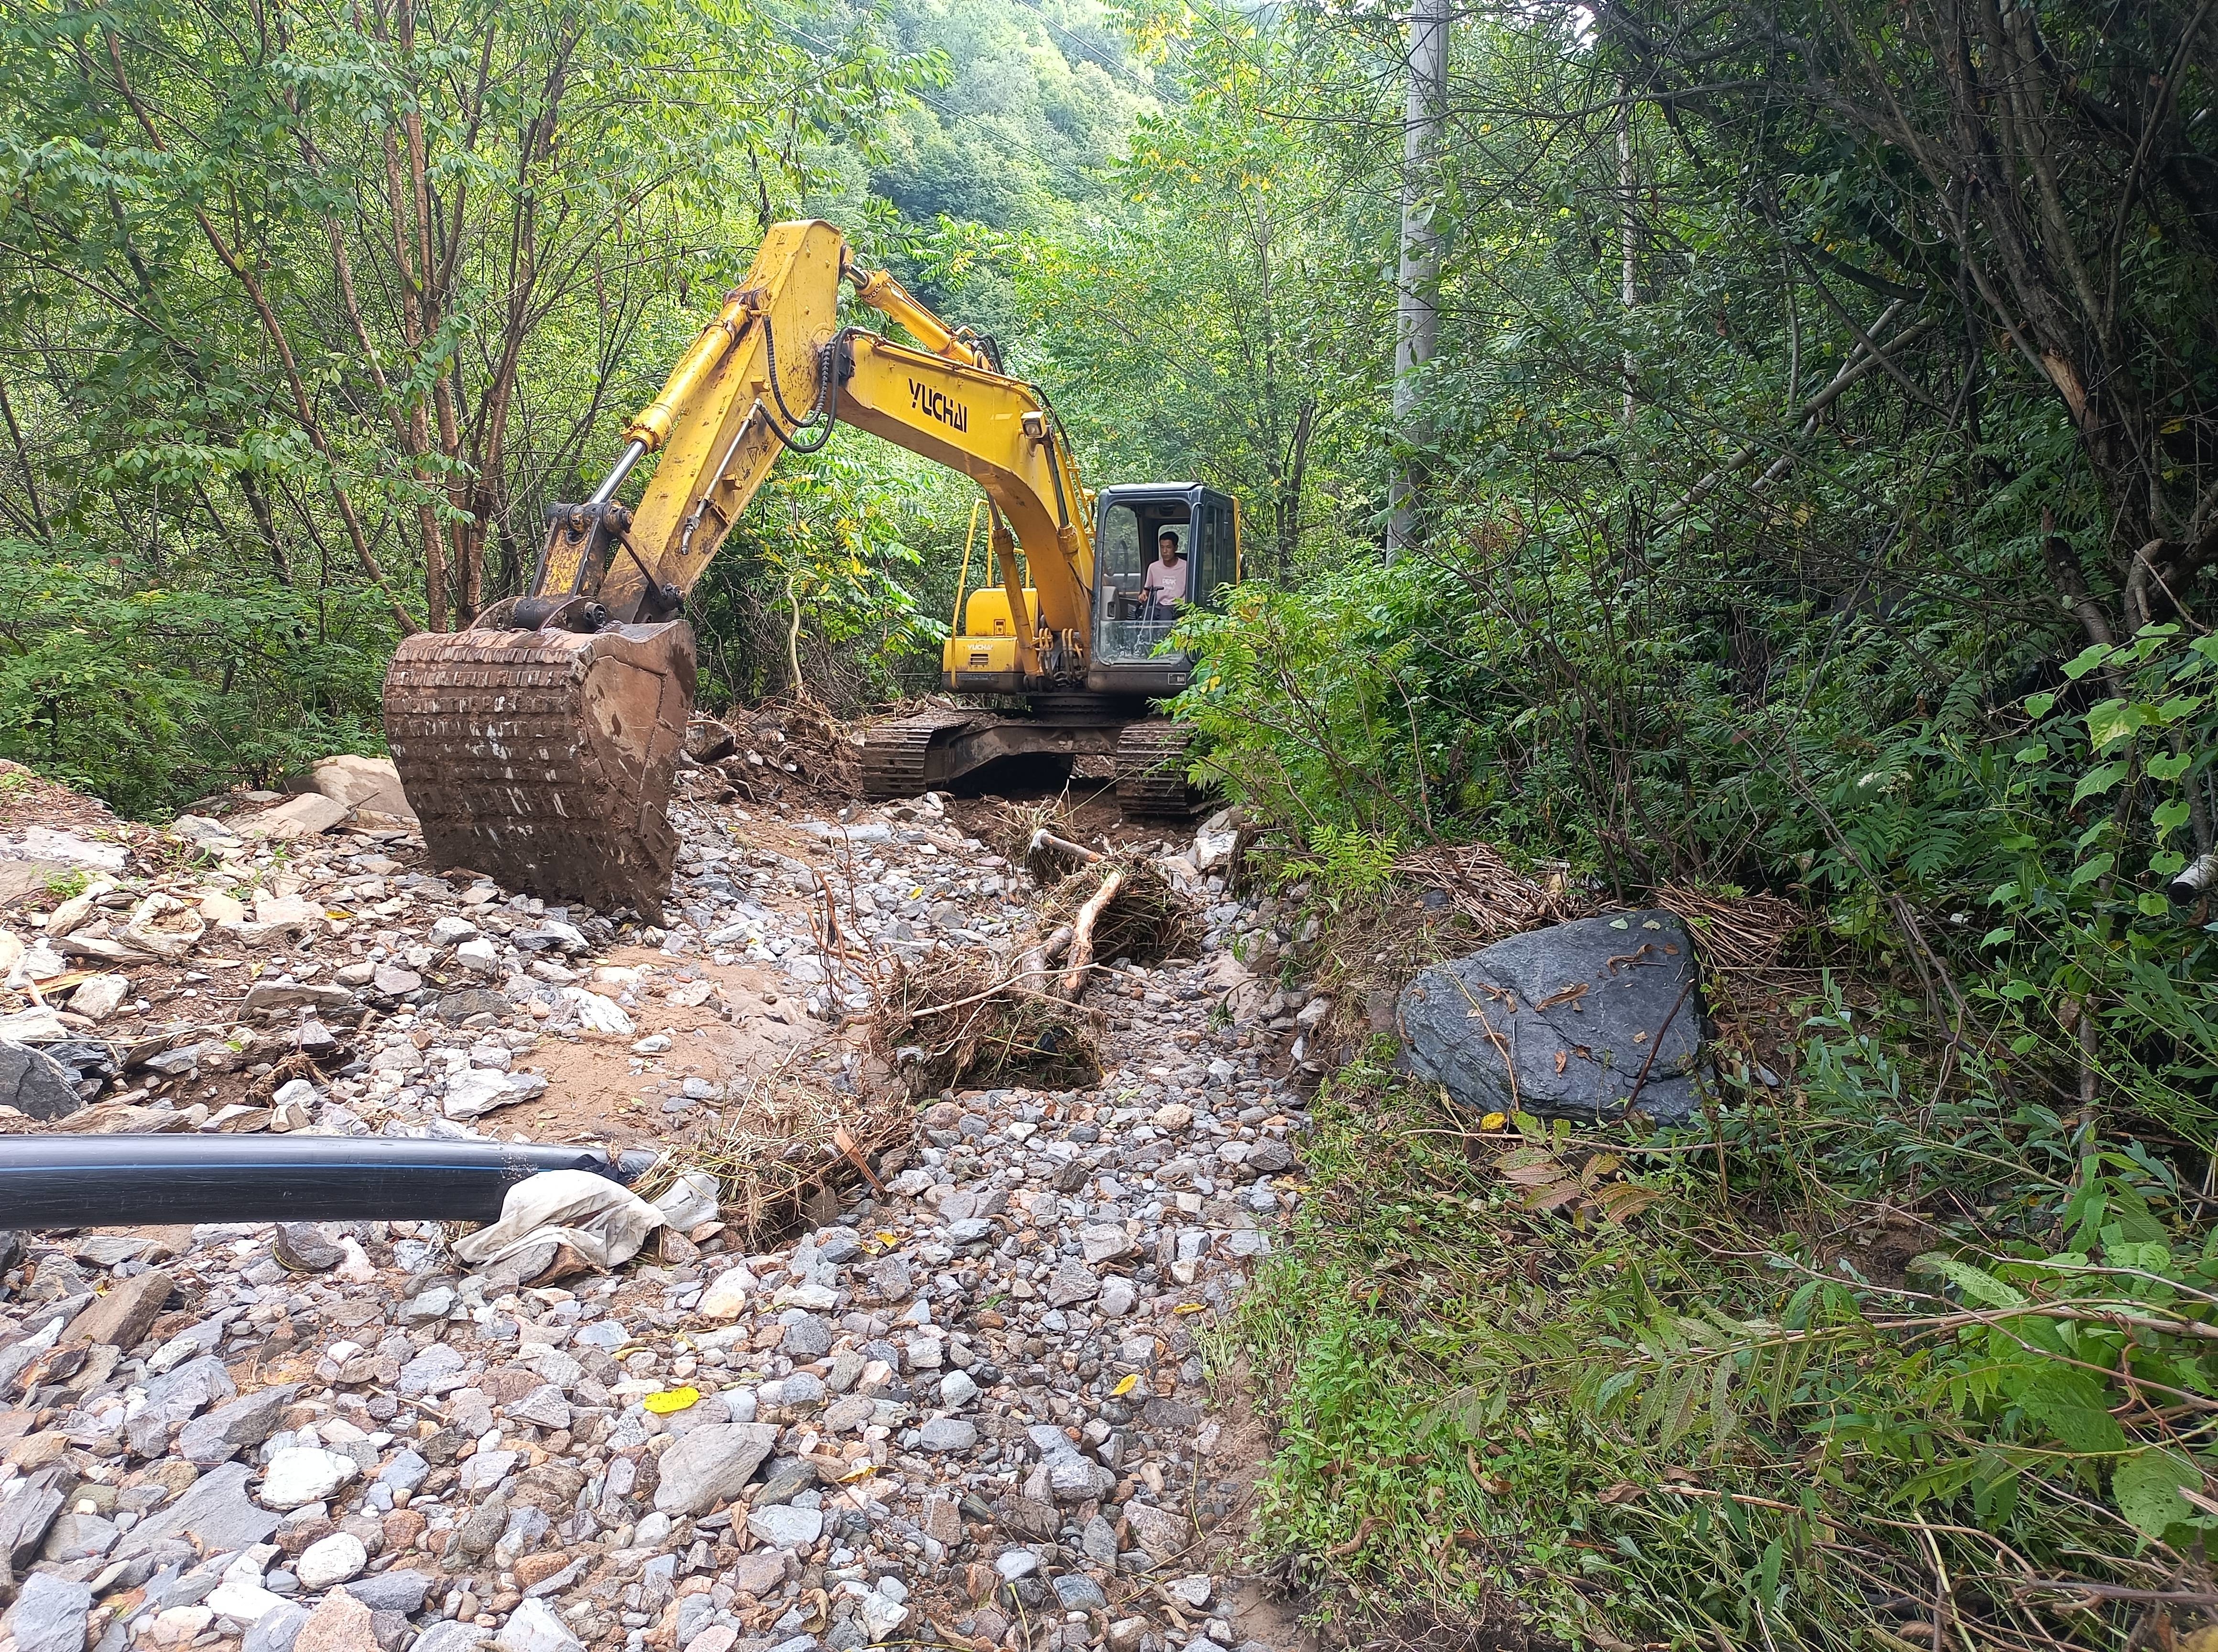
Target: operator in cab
[1166, 581]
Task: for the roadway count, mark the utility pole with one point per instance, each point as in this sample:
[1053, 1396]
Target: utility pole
[1417, 310]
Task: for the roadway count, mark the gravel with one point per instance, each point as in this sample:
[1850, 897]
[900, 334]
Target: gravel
[974, 1398]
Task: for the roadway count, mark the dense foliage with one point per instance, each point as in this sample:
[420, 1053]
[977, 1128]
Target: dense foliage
[310, 311]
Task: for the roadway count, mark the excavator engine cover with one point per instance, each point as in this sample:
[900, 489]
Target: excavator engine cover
[544, 757]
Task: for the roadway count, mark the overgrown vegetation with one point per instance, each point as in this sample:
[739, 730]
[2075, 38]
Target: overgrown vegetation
[1643, 1393]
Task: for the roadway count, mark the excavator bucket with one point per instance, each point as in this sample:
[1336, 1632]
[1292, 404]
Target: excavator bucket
[544, 758]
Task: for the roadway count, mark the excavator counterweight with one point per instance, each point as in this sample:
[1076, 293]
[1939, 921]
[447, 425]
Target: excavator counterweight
[539, 745]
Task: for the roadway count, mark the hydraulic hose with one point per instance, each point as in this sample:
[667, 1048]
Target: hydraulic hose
[823, 418]
[81, 1181]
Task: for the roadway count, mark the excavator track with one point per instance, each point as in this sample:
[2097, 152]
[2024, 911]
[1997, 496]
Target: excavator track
[1151, 765]
[897, 752]
[545, 758]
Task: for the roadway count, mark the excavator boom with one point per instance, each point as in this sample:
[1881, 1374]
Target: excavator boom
[539, 745]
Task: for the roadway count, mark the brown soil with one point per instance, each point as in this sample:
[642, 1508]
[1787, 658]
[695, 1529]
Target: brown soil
[1264, 1608]
[27, 800]
[594, 1093]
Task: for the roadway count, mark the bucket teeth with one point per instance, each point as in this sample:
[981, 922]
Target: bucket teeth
[544, 758]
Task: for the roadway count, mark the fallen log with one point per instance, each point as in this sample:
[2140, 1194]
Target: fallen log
[1081, 935]
[1035, 963]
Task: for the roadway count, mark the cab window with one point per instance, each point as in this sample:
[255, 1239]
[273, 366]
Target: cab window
[1123, 549]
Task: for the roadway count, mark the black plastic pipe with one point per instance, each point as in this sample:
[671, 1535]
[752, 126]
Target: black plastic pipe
[87, 1181]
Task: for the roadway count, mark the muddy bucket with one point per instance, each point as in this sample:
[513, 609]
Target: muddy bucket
[544, 757]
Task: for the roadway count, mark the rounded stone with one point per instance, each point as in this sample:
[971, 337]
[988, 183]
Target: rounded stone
[330, 1561]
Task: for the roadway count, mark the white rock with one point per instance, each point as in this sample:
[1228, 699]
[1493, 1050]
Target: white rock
[239, 1595]
[308, 816]
[598, 1014]
[286, 911]
[301, 1474]
[1194, 1591]
[361, 782]
[783, 1526]
[294, 1091]
[1105, 1243]
[726, 1299]
[38, 962]
[1213, 844]
[883, 1616]
[98, 997]
[476, 1090]
[451, 930]
[533, 1627]
[36, 1025]
[44, 843]
[330, 1561]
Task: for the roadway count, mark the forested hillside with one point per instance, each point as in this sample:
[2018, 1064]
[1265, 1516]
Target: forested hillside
[1810, 502]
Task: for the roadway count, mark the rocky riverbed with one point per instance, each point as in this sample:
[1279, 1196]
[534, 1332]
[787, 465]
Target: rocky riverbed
[969, 1403]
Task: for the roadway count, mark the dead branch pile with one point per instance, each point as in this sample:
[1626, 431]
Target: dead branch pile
[970, 1021]
[961, 1023]
[786, 745]
[1497, 900]
[1748, 931]
[1143, 919]
[779, 1146]
[1012, 824]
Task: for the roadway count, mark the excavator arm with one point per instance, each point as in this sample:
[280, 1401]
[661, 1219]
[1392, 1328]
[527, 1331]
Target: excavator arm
[736, 400]
[539, 745]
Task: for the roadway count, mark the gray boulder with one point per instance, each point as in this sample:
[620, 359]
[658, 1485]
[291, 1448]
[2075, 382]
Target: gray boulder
[224, 1431]
[1560, 1022]
[711, 1465]
[393, 1591]
[214, 1509]
[36, 1085]
[50, 1615]
[277, 1628]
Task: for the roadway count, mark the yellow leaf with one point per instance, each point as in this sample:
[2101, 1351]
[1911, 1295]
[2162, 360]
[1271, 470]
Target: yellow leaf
[1126, 1386]
[1493, 1121]
[1189, 1307]
[671, 1399]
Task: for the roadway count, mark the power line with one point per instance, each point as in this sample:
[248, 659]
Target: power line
[1057, 30]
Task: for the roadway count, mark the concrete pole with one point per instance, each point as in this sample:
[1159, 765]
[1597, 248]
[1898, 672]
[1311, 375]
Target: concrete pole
[1417, 310]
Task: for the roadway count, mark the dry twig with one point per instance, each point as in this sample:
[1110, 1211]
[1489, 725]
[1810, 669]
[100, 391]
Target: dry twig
[781, 1142]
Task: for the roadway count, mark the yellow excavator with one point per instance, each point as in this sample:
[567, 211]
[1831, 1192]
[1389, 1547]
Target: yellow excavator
[539, 745]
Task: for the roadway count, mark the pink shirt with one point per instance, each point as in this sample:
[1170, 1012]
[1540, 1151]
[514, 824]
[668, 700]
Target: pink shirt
[1167, 583]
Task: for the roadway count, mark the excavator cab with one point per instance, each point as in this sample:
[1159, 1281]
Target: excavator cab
[1131, 631]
